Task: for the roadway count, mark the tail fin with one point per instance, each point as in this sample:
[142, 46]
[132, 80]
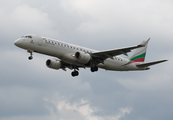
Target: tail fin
[139, 53]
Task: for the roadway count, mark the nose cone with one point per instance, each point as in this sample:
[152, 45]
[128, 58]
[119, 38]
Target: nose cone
[18, 42]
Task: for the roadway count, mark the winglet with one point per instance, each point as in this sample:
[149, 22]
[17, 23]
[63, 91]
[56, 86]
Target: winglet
[144, 43]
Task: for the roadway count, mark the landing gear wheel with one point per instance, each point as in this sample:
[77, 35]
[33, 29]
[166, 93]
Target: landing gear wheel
[30, 57]
[75, 73]
[93, 69]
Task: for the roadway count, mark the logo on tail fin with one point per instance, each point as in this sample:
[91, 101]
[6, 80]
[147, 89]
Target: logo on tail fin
[139, 58]
[139, 54]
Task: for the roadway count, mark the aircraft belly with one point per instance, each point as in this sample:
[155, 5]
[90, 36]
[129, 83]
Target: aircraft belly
[110, 65]
[114, 65]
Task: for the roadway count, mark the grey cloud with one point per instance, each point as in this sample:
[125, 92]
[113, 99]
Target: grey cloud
[17, 101]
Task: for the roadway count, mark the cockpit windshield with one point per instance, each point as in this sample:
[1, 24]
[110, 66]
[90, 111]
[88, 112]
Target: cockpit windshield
[28, 36]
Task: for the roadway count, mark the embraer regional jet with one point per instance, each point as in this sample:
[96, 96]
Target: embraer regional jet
[74, 57]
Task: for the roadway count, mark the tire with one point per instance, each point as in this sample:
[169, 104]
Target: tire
[30, 57]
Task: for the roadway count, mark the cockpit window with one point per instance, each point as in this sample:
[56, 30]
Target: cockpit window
[27, 36]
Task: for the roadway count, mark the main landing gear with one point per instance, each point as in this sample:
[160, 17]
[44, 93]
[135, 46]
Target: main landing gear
[30, 57]
[94, 69]
[75, 73]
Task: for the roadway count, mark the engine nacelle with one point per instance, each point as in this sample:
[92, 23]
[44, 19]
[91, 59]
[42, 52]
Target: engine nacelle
[82, 57]
[53, 64]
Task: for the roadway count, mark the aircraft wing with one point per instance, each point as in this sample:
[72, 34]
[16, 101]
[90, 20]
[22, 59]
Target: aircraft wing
[99, 57]
[143, 65]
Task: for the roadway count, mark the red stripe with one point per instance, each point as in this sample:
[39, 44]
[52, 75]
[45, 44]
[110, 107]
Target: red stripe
[138, 60]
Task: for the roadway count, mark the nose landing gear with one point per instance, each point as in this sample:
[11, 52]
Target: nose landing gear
[30, 57]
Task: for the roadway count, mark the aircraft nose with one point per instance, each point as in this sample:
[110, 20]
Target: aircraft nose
[18, 42]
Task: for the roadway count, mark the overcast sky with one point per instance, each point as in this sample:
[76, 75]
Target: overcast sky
[30, 90]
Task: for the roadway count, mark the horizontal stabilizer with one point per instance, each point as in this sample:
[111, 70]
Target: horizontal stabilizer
[151, 63]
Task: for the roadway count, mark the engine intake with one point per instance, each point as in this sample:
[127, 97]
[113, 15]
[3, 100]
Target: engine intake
[53, 64]
[82, 57]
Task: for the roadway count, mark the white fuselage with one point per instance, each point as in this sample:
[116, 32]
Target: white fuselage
[65, 52]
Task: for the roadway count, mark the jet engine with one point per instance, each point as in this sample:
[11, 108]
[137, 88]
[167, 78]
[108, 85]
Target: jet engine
[82, 57]
[53, 64]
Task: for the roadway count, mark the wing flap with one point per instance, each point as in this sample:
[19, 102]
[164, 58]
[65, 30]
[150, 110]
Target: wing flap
[150, 63]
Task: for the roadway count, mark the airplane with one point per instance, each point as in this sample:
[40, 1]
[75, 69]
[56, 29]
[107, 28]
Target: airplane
[74, 57]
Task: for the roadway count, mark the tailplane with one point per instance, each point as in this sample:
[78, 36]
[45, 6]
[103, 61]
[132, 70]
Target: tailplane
[143, 65]
[139, 54]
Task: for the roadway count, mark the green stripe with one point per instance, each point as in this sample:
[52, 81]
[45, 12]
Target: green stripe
[137, 57]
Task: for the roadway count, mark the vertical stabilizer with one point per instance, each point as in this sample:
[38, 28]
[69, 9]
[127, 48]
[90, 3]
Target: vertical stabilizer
[139, 53]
